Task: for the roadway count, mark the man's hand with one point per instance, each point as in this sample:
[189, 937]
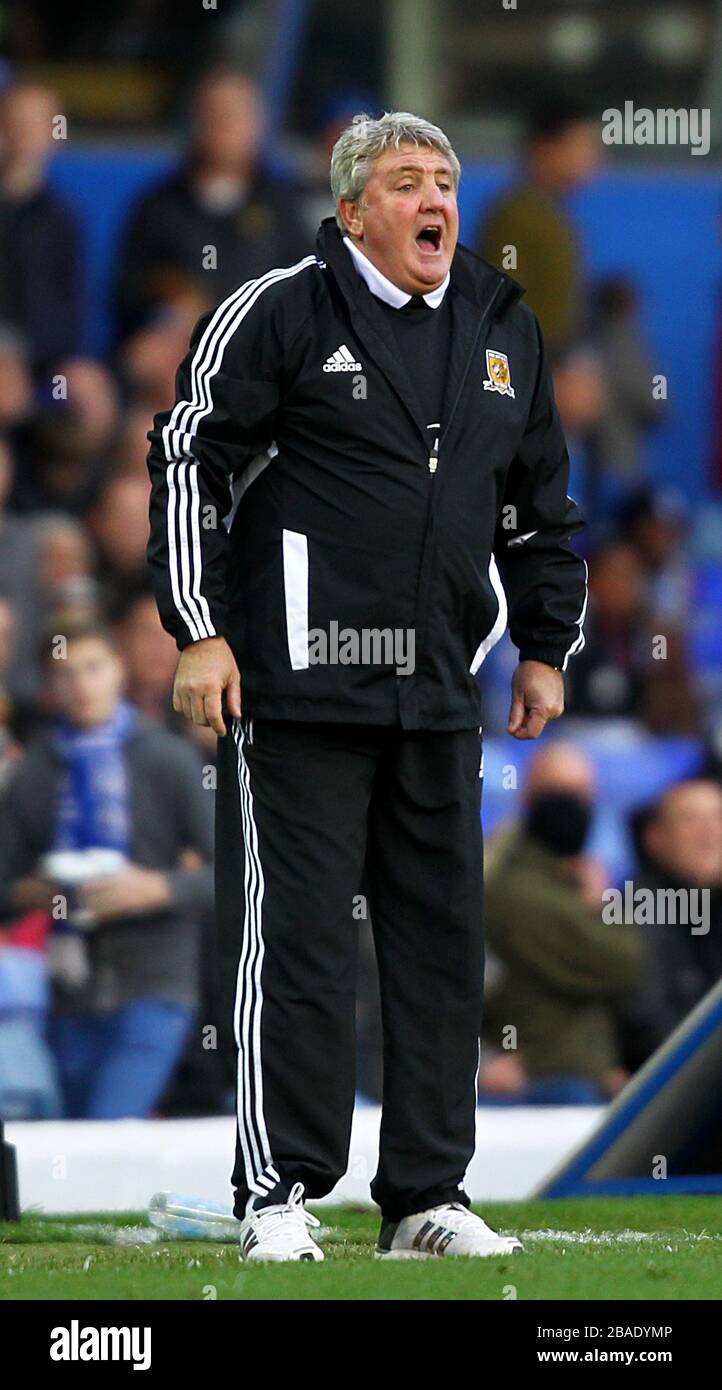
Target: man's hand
[591, 877]
[33, 894]
[133, 890]
[615, 1080]
[204, 671]
[502, 1075]
[537, 695]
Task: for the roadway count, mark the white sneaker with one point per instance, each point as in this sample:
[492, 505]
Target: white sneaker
[447, 1230]
[280, 1232]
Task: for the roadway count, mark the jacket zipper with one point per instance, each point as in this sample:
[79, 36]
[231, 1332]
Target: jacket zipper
[485, 316]
[433, 457]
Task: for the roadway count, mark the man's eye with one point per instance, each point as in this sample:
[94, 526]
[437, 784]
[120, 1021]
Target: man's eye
[405, 188]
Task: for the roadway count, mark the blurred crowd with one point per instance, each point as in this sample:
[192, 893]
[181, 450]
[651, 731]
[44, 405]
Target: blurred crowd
[109, 989]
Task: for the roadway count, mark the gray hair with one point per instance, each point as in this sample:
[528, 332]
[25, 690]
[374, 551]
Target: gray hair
[365, 139]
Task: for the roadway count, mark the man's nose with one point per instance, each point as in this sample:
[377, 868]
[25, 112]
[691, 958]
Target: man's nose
[432, 198]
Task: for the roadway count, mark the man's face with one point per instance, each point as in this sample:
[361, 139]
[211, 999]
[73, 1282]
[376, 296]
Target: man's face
[228, 123]
[617, 584]
[120, 524]
[579, 151]
[87, 683]
[408, 220]
[150, 653]
[26, 123]
[686, 838]
[6, 634]
[570, 158]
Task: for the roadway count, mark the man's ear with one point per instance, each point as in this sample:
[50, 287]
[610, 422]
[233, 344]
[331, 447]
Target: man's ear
[351, 216]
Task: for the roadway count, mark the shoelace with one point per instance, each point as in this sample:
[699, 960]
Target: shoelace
[293, 1209]
[458, 1219]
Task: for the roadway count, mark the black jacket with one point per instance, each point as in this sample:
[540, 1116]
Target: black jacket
[169, 233]
[41, 281]
[338, 514]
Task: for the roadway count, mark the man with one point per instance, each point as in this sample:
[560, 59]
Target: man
[563, 151]
[102, 783]
[41, 290]
[218, 219]
[617, 676]
[679, 842]
[564, 973]
[378, 418]
[21, 585]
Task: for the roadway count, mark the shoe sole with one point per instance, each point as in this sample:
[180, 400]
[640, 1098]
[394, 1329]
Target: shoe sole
[305, 1258]
[429, 1254]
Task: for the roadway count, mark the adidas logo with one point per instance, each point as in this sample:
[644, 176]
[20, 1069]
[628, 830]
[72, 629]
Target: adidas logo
[341, 361]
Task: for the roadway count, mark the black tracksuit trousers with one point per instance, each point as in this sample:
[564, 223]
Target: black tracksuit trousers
[302, 810]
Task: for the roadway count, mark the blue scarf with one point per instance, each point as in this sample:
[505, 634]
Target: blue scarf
[93, 805]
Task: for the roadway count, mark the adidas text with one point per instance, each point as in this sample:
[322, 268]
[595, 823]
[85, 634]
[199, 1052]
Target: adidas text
[341, 361]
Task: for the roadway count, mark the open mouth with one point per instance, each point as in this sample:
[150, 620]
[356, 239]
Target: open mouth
[429, 239]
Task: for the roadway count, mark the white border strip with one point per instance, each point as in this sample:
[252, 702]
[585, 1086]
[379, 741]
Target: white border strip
[499, 627]
[295, 586]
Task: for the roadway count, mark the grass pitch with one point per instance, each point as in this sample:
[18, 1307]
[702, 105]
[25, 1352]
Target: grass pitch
[591, 1248]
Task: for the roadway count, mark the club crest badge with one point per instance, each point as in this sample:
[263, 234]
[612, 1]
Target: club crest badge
[499, 376]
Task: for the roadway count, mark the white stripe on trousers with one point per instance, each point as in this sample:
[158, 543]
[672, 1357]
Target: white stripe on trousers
[261, 1175]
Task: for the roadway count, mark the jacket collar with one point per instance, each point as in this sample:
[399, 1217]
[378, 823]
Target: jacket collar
[385, 289]
[470, 276]
[479, 293]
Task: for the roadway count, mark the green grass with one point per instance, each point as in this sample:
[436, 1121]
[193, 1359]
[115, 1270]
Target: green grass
[595, 1251]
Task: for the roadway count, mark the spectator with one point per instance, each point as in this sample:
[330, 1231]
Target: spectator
[630, 667]
[562, 153]
[119, 526]
[334, 112]
[20, 585]
[29, 1087]
[63, 451]
[16, 387]
[71, 592]
[41, 291]
[616, 652]
[17, 715]
[580, 389]
[150, 357]
[655, 522]
[104, 782]
[561, 972]
[131, 447]
[680, 849]
[631, 409]
[8, 713]
[221, 203]
[150, 656]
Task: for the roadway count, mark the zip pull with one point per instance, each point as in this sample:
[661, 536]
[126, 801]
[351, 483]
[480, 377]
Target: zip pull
[434, 456]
